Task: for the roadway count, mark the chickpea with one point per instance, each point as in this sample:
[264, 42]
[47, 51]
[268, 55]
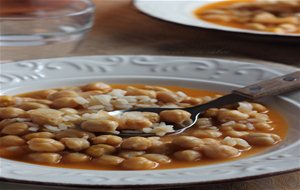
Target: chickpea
[64, 102]
[136, 143]
[107, 139]
[163, 148]
[174, 116]
[49, 158]
[135, 123]
[31, 106]
[62, 94]
[204, 122]
[206, 134]
[209, 141]
[76, 157]
[212, 112]
[219, 151]
[76, 144]
[6, 101]
[45, 145]
[108, 160]
[100, 149]
[10, 112]
[74, 133]
[188, 155]
[68, 111]
[96, 86]
[192, 100]
[98, 125]
[132, 91]
[42, 94]
[187, 142]
[13, 151]
[45, 116]
[153, 117]
[130, 153]
[263, 126]
[237, 134]
[15, 129]
[11, 140]
[156, 88]
[159, 158]
[39, 135]
[231, 115]
[88, 94]
[138, 163]
[262, 139]
[259, 108]
[168, 97]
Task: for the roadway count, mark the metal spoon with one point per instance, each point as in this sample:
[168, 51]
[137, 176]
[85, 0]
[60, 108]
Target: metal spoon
[256, 91]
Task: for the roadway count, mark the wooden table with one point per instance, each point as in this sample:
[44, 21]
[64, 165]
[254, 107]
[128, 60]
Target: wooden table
[121, 29]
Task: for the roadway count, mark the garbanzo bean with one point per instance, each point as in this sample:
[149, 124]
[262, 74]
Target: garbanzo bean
[99, 125]
[108, 160]
[107, 139]
[188, 155]
[238, 134]
[135, 123]
[96, 86]
[168, 97]
[49, 158]
[212, 112]
[263, 126]
[138, 163]
[7, 101]
[204, 122]
[15, 129]
[39, 135]
[11, 140]
[192, 100]
[100, 149]
[219, 151]
[76, 157]
[132, 91]
[206, 133]
[31, 106]
[153, 117]
[13, 151]
[76, 144]
[64, 102]
[262, 139]
[68, 110]
[63, 93]
[136, 143]
[187, 142]
[259, 108]
[174, 116]
[74, 133]
[163, 148]
[45, 145]
[231, 115]
[45, 116]
[10, 112]
[130, 153]
[159, 158]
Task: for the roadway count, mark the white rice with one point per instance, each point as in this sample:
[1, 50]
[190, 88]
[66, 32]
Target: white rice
[71, 117]
[159, 129]
[33, 129]
[52, 128]
[101, 100]
[80, 100]
[245, 107]
[229, 123]
[117, 93]
[181, 94]
[96, 107]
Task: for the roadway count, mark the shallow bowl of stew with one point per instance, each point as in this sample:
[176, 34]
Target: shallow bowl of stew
[55, 122]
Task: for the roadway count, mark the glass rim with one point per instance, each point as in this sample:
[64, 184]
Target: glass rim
[90, 8]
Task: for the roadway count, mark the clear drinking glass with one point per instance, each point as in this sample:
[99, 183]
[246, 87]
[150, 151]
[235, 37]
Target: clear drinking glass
[42, 28]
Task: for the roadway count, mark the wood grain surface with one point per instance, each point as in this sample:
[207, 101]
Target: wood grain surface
[121, 29]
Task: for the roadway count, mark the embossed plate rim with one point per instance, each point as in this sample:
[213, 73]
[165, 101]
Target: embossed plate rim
[171, 67]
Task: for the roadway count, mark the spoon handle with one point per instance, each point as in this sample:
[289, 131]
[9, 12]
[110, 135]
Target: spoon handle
[271, 87]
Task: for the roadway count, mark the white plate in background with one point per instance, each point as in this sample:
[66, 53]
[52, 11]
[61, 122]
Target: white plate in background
[182, 12]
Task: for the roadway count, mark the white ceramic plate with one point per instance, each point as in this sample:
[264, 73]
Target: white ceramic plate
[204, 73]
[182, 12]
